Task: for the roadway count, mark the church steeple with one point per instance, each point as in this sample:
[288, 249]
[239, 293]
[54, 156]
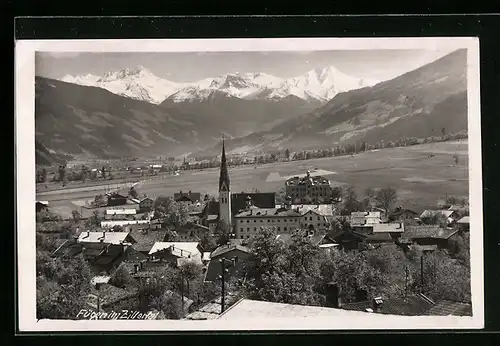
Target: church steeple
[224, 190]
[224, 175]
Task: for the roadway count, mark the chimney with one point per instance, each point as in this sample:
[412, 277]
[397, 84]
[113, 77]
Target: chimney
[141, 265]
[333, 296]
[189, 193]
[136, 268]
[377, 304]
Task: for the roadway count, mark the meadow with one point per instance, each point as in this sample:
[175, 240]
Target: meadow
[421, 174]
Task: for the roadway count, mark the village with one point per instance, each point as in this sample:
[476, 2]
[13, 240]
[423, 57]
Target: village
[310, 249]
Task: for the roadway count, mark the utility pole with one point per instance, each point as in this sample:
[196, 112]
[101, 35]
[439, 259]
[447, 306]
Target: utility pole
[182, 292]
[422, 273]
[406, 281]
[222, 277]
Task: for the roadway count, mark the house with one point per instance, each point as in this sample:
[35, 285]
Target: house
[190, 197]
[462, 210]
[192, 230]
[309, 189]
[394, 229]
[348, 240]
[176, 253]
[235, 257]
[115, 199]
[101, 256]
[146, 238]
[120, 214]
[41, 205]
[427, 235]
[412, 305]
[146, 204]
[407, 216]
[247, 308]
[464, 224]
[363, 221]
[123, 223]
[450, 215]
[447, 307]
[115, 238]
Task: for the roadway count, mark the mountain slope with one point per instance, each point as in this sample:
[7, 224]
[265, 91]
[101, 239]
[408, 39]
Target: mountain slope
[418, 103]
[137, 83]
[89, 121]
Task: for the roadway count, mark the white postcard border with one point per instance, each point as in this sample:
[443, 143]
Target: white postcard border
[25, 173]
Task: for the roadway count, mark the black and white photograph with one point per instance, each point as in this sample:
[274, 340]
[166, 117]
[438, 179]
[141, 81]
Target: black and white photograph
[249, 184]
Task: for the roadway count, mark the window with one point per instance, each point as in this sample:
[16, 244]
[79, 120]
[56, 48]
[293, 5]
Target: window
[310, 218]
[261, 220]
[319, 218]
[254, 221]
[284, 228]
[248, 236]
[255, 228]
[248, 229]
[248, 221]
[278, 228]
[241, 229]
[278, 220]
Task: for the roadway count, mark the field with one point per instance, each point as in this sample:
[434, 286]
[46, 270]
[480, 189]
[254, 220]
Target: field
[421, 179]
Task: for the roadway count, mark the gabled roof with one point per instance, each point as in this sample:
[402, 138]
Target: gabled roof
[464, 220]
[413, 305]
[459, 208]
[247, 308]
[432, 213]
[106, 237]
[223, 249]
[69, 248]
[190, 247]
[187, 196]
[147, 238]
[316, 239]
[403, 211]
[267, 212]
[43, 202]
[395, 227]
[450, 308]
[427, 231]
[379, 237]
[121, 211]
[259, 199]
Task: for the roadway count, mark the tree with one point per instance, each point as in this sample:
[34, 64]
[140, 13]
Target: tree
[76, 216]
[171, 235]
[287, 154]
[336, 193]
[350, 201]
[222, 232]
[94, 221]
[133, 193]
[208, 243]
[46, 215]
[63, 292]
[386, 198]
[189, 271]
[62, 173]
[100, 201]
[121, 277]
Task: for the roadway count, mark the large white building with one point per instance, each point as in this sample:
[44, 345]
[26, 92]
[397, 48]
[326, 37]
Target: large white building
[308, 189]
[284, 219]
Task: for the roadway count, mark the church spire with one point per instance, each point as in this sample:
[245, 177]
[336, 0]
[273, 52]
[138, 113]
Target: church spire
[224, 176]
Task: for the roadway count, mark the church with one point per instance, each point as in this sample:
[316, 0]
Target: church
[229, 204]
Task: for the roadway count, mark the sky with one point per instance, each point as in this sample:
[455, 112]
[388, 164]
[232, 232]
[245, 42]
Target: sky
[193, 66]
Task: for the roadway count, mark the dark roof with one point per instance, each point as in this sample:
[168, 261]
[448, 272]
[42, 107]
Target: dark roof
[427, 231]
[69, 248]
[413, 305]
[398, 212]
[146, 238]
[211, 208]
[259, 199]
[267, 212]
[450, 307]
[379, 237]
[224, 175]
[187, 196]
[116, 195]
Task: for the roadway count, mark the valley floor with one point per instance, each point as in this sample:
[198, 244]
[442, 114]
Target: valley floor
[420, 179]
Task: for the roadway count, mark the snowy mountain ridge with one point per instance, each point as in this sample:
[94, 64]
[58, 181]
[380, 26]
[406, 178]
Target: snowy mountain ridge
[319, 84]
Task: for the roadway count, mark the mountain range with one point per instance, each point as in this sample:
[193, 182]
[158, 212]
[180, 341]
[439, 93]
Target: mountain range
[418, 103]
[319, 84]
[131, 112]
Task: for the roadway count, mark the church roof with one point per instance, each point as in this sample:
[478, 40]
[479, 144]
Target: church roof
[224, 175]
